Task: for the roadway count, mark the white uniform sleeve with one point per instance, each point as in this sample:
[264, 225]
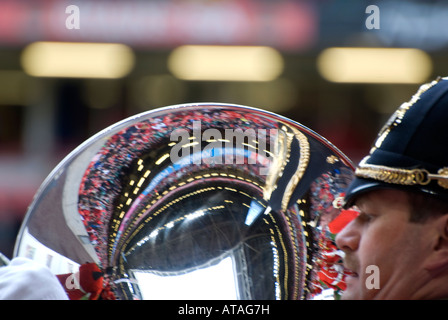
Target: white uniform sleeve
[25, 279]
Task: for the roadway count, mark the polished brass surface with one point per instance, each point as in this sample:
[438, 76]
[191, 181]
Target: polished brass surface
[212, 191]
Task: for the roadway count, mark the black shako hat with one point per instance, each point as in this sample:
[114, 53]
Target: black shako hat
[411, 150]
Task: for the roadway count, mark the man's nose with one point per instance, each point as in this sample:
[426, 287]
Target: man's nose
[348, 238]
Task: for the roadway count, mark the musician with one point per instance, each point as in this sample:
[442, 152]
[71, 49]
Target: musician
[400, 195]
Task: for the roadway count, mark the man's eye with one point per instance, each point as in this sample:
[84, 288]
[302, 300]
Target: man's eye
[365, 217]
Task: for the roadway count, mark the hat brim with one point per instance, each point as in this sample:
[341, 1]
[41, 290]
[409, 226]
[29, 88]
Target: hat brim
[360, 186]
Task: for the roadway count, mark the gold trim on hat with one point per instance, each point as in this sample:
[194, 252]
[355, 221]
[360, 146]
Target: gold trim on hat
[407, 177]
[399, 114]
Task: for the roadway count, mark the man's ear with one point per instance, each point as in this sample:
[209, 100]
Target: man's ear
[438, 259]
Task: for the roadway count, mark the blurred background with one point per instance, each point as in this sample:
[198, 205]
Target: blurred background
[69, 69]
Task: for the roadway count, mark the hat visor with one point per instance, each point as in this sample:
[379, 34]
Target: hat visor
[361, 185]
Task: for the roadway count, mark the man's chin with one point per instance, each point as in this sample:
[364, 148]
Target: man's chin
[352, 292]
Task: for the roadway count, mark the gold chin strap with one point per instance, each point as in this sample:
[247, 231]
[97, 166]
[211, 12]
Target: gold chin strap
[406, 177]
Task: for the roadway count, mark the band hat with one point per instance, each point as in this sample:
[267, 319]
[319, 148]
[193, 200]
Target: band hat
[409, 152]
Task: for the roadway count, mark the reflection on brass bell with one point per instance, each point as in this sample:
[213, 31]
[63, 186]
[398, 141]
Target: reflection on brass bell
[195, 201]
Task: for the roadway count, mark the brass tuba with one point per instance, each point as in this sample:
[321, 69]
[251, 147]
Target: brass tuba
[194, 201]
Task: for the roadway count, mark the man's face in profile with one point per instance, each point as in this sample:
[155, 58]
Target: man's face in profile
[382, 236]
